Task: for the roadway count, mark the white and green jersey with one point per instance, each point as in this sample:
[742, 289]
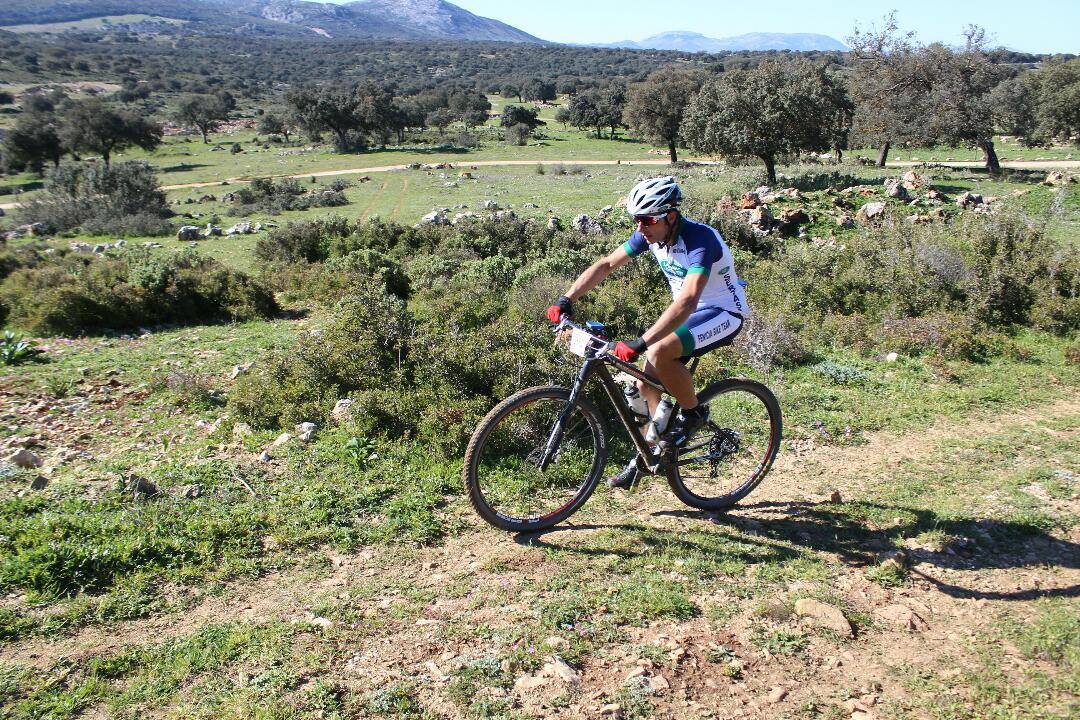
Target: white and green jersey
[698, 248]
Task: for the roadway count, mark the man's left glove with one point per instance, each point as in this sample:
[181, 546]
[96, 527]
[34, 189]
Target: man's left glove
[562, 306]
[628, 351]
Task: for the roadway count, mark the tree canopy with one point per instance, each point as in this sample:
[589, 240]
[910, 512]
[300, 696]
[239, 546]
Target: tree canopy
[775, 109]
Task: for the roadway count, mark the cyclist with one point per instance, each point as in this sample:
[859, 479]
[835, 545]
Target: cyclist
[707, 310]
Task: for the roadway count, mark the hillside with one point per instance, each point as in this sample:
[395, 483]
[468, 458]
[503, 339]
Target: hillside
[381, 19]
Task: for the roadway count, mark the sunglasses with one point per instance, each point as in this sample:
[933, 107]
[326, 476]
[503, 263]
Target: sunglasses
[649, 219]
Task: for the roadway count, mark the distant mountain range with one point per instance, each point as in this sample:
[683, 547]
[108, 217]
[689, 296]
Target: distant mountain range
[376, 19]
[696, 42]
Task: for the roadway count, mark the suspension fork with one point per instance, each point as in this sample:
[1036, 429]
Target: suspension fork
[557, 430]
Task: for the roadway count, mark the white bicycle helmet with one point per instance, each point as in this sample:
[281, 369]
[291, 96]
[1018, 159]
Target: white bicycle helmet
[654, 196]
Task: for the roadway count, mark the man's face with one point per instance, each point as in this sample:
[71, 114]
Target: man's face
[655, 232]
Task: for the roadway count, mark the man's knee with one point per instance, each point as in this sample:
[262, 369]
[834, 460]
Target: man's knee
[666, 350]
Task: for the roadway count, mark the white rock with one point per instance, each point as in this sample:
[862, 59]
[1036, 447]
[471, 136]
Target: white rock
[341, 409]
[562, 671]
[240, 369]
[281, 440]
[892, 357]
[824, 615]
[526, 683]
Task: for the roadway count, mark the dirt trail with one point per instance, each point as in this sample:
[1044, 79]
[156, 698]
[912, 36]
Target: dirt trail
[1016, 164]
[491, 562]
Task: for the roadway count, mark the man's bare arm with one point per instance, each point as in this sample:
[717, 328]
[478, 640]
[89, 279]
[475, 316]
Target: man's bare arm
[597, 272]
[679, 309]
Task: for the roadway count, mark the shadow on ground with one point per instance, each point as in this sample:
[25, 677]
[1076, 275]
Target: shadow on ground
[855, 533]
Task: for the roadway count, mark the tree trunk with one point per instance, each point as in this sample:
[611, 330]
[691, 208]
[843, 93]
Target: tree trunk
[883, 154]
[205, 139]
[990, 155]
[839, 155]
[599, 132]
[671, 152]
[770, 169]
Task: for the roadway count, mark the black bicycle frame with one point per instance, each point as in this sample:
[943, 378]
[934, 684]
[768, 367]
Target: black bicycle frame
[598, 366]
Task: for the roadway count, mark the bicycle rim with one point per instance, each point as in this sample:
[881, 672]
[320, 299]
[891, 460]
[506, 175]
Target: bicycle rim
[735, 449]
[509, 482]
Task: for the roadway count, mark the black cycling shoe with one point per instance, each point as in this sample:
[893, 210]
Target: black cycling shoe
[625, 480]
[682, 428]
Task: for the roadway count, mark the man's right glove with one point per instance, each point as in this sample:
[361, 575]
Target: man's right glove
[562, 306]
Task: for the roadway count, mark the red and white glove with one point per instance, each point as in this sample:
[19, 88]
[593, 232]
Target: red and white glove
[629, 350]
[562, 306]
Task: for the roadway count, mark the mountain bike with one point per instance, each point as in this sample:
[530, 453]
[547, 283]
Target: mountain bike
[538, 455]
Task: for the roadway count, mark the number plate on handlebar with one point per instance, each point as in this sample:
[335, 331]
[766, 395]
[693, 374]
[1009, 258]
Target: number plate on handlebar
[579, 342]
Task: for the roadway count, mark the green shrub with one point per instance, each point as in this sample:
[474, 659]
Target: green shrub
[123, 199]
[363, 348]
[267, 196]
[76, 294]
[15, 350]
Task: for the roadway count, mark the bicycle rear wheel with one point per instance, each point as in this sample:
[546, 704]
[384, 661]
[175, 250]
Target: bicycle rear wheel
[535, 459]
[730, 455]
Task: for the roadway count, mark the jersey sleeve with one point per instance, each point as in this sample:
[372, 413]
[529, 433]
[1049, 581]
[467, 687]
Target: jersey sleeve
[704, 251]
[635, 245]
[699, 258]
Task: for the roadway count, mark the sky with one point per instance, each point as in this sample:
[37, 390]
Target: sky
[1024, 25]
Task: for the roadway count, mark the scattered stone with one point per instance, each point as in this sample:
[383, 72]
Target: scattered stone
[39, 483]
[435, 217]
[554, 223]
[658, 684]
[187, 233]
[792, 218]
[824, 615]
[341, 410]
[912, 180]
[193, 491]
[241, 429]
[141, 488]
[264, 456]
[306, 431]
[902, 616]
[281, 440]
[489, 205]
[845, 221]
[835, 498]
[606, 210]
[525, 683]
[871, 210]
[776, 695]
[25, 459]
[892, 357]
[241, 228]
[749, 201]
[211, 230]
[761, 218]
[561, 670]
[611, 709]
[895, 189]
[969, 199]
[1058, 178]
[586, 225]
[462, 216]
[241, 369]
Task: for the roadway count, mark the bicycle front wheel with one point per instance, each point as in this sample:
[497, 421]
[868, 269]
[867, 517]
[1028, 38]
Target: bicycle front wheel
[535, 459]
[727, 458]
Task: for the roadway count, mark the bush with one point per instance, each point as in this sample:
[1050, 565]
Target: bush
[265, 195]
[81, 294]
[123, 199]
[363, 348]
